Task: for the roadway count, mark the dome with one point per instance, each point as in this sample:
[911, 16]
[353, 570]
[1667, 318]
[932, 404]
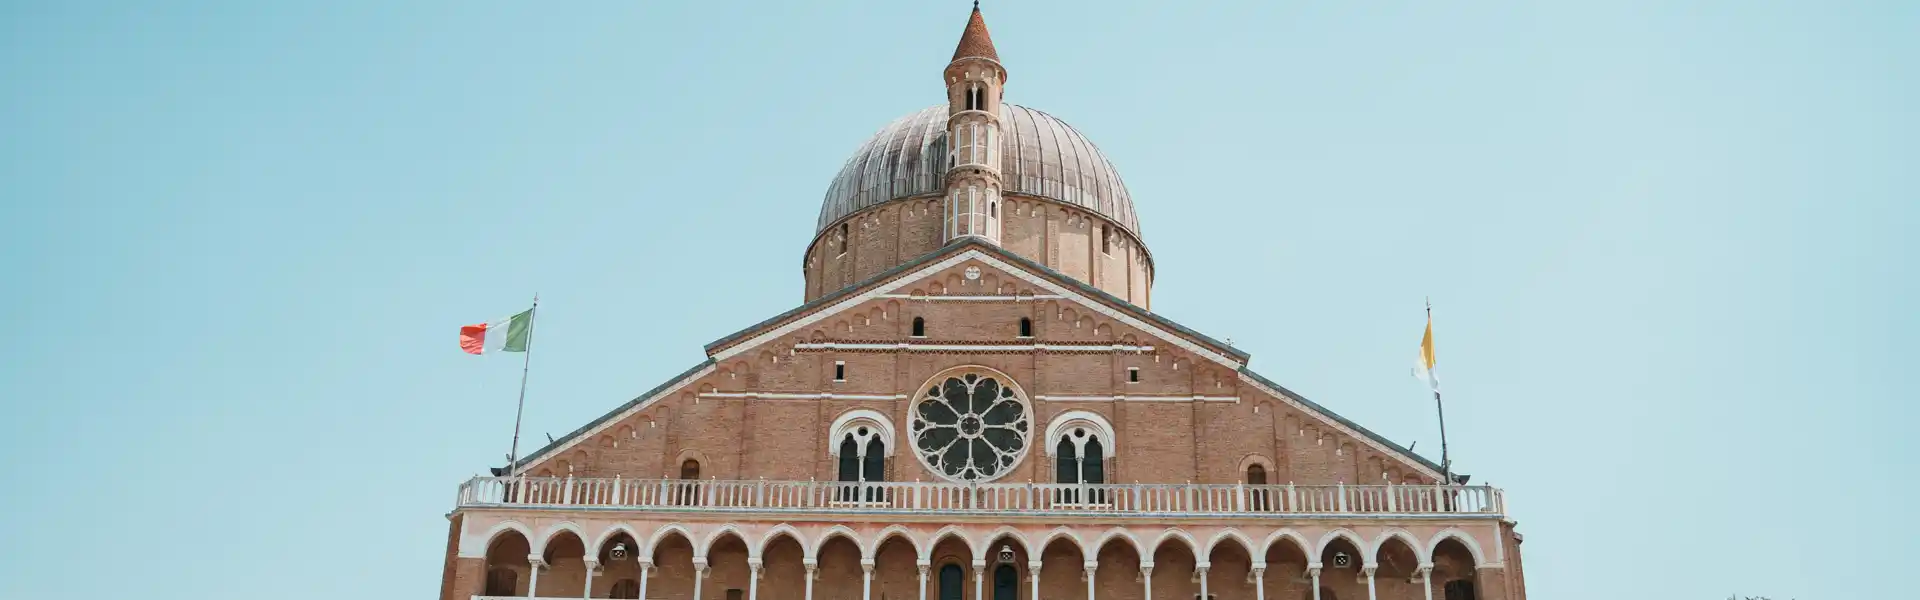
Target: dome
[1041, 156]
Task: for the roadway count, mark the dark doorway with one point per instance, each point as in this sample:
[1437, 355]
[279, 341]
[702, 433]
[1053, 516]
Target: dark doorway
[1460, 589]
[950, 581]
[1006, 583]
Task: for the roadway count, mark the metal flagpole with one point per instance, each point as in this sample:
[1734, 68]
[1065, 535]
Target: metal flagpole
[1446, 464]
[513, 455]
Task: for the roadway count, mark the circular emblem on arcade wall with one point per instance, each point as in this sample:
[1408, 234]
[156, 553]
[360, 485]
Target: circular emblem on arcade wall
[970, 424]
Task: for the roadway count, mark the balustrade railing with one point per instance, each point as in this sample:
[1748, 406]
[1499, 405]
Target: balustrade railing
[1051, 498]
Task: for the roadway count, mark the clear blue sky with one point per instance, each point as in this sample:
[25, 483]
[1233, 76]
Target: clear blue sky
[1670, 244]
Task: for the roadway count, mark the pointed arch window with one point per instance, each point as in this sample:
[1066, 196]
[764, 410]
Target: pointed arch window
[1080, 442]
[864, 437]
[1257, 481]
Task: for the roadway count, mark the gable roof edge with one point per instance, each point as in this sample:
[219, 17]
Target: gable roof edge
[1355, 430]
[616, 415]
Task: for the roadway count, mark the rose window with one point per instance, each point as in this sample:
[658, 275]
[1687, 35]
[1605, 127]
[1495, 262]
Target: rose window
[970, 427]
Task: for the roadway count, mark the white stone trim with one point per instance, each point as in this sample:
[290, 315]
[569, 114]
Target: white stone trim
[1466, 539]
[919, 347]
[1234, 534]
[847, 423]
[472, 546]
[800, 396]
[1138, 398]
[1391, 533]
[533, 459]
[1359, 545]
[1289, 533]
[907, 279]
[776, 530]
[1096, 424]
[1350, 432]
[832, 532]
[960, 298]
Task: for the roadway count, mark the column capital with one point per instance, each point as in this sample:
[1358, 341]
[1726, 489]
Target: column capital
[924, 568]
[537, 561]
[810, 563]
[1033, 566]
[1368, 570]
[1421, 572]
[980, 565]
[593, 565]
[1313, 570]
[866, 565]
[1258, 573]
[1202, 565]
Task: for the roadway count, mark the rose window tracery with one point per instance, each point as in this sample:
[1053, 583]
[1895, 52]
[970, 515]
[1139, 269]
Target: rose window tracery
[970, 426]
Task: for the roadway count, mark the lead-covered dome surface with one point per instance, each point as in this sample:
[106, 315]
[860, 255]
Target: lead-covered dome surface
[1039, 156]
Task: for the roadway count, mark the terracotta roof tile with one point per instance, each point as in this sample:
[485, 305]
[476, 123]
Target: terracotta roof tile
[974, 42]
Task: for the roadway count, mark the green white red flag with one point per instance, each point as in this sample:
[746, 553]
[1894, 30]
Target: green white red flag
[506, 335]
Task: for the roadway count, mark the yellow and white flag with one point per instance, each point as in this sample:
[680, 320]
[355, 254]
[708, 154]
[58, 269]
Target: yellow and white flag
[1424, 368]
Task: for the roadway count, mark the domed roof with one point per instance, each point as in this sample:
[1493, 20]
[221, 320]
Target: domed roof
[1039, 156]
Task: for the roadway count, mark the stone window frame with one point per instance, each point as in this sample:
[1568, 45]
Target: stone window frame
[1097, 427]
[1006, 382]
[851, 421]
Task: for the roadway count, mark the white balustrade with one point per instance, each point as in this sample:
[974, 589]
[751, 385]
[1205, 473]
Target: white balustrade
[1049, 498]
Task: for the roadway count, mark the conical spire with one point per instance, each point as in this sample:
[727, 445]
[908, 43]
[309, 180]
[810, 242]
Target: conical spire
[974, 42]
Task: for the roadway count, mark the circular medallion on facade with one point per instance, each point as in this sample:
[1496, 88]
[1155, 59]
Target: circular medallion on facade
[973, 272]
[970, 424]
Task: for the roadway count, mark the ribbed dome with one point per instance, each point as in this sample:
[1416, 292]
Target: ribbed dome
[1040, 156]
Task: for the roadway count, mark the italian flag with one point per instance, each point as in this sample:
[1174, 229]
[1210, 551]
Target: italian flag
[506, 335]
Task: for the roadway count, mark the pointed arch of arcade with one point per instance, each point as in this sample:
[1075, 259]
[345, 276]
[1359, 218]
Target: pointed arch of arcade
[1245, 544]
[1454, 533]
[600, 543]
[552, 531]
[1320, 549]
[1193, 545]
[950, 531]
[714, 537]
[1420, 550]
[493, 534]
[872, 551]
[1288, 535]
[1122, 534]
[1069, 535]
[760, 550]
[841, 531]
[653, 541]
[985, 548]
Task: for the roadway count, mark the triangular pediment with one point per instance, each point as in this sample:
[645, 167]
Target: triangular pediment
[931, 277]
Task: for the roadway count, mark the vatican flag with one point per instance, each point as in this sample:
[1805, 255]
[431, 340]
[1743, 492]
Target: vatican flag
[1424, 368]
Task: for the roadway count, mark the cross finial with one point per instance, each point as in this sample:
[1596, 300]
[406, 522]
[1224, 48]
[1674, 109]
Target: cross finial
[976, 4]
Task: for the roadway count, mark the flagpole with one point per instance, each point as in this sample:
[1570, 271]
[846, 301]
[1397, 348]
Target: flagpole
[1446, 464]
[513, 455]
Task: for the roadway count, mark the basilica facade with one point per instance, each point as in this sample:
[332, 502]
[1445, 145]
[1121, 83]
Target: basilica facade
[973, 401]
